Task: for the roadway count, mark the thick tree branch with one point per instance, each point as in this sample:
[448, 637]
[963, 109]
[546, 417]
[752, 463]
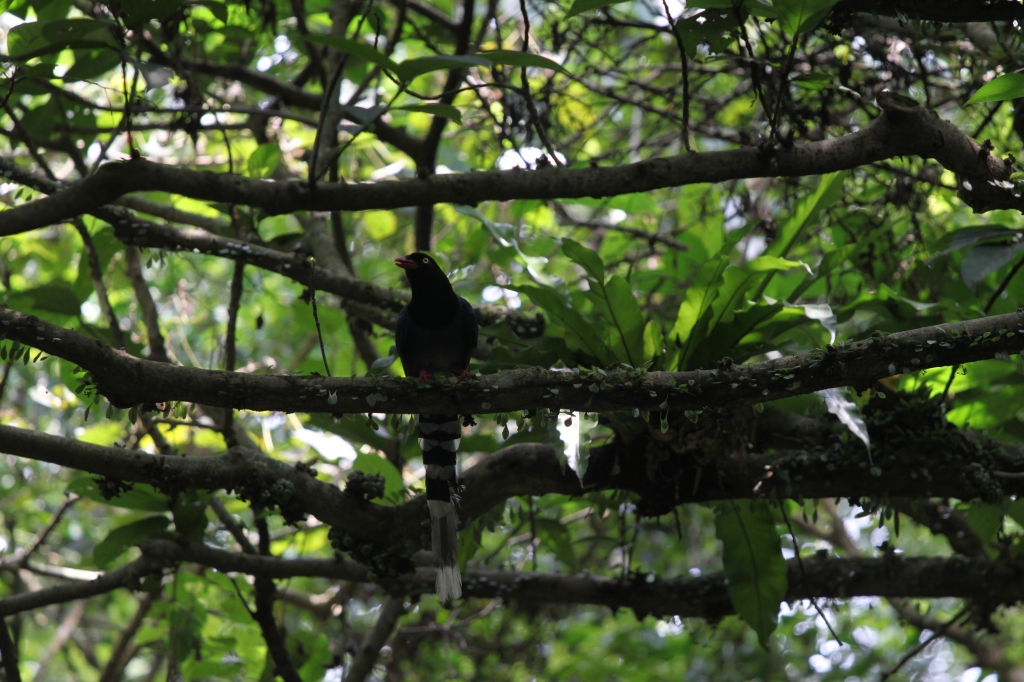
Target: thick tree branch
[901, 130]
[938, 10]
[994, 582]
[942, 465]
[127, 381]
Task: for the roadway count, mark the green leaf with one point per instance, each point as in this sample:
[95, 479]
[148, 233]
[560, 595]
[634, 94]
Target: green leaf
[119, 540]
[828, 192]
[580, 6]
[714, 28]
[55, 297]
[136, 12]
[142, 496]
[985, 520]
[375, 464]
[800, 16]
[626, 317]
[974, 234]
[584, 332]
[688, 330]
[812, 81]
[523, 59]
[35, 39]
[412, 68]
[556, 537]
[1007, 86]
[585, 258]
[92, 63]
[264, 161]
[355, 432]
[218, 9]
[984, 259]
[189, 512]
[654, 341]
[442, 110]
[752, 560]
[353, 47]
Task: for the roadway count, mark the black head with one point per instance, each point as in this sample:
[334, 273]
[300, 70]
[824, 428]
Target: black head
[424, 274]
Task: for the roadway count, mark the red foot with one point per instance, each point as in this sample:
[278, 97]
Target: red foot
[425, 375]
[463, 373]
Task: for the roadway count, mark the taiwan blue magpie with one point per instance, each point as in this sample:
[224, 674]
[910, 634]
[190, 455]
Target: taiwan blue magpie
[436, 333]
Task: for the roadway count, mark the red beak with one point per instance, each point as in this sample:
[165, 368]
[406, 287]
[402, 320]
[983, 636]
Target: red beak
[405, 263]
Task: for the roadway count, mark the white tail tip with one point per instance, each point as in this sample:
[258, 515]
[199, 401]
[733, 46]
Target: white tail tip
[449, 583]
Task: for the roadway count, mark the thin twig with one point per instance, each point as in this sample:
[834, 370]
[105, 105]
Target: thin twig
[122, 654]
[530, 104]
[686, 76]
[803, 573]
[234, 302]
[1002, 285]
[316, 318]
[936, 634]
[150, 315]
[96, 273]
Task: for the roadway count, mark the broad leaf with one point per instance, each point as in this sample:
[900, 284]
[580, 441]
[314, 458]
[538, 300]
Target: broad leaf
[55, 297]
[626, 318]
[556, 537]
[984, 259]
[123, 538]
[975, 234]
[755, 570]
[580, 6]
[582, 331]
[522, 59]
[412, 68]
[442, 110]
[585, 258]
[691, 322]
[800, 16]
[353, 47]
[1007, 86]
[264, 161]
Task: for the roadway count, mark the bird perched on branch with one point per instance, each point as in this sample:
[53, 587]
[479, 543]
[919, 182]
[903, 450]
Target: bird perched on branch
[436, 333]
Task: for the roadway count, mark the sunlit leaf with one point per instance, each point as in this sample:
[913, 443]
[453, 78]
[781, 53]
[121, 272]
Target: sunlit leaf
[264, 161]
[1007, 86]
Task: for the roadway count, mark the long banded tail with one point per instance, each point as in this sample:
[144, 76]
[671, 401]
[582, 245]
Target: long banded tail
[439, 438]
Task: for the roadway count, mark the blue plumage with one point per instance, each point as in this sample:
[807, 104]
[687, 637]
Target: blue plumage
[436, 334]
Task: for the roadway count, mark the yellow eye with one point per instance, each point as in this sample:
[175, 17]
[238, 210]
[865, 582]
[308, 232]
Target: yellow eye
[426, 260]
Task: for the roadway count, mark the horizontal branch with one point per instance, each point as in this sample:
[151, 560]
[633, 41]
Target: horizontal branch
[992, 582]
[903, 129]
[128, 381]
[129, 575]
[944, 11]
[946, 465]
[135, 231]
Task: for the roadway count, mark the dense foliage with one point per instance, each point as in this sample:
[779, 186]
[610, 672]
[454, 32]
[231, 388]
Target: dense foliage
[747, 402]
